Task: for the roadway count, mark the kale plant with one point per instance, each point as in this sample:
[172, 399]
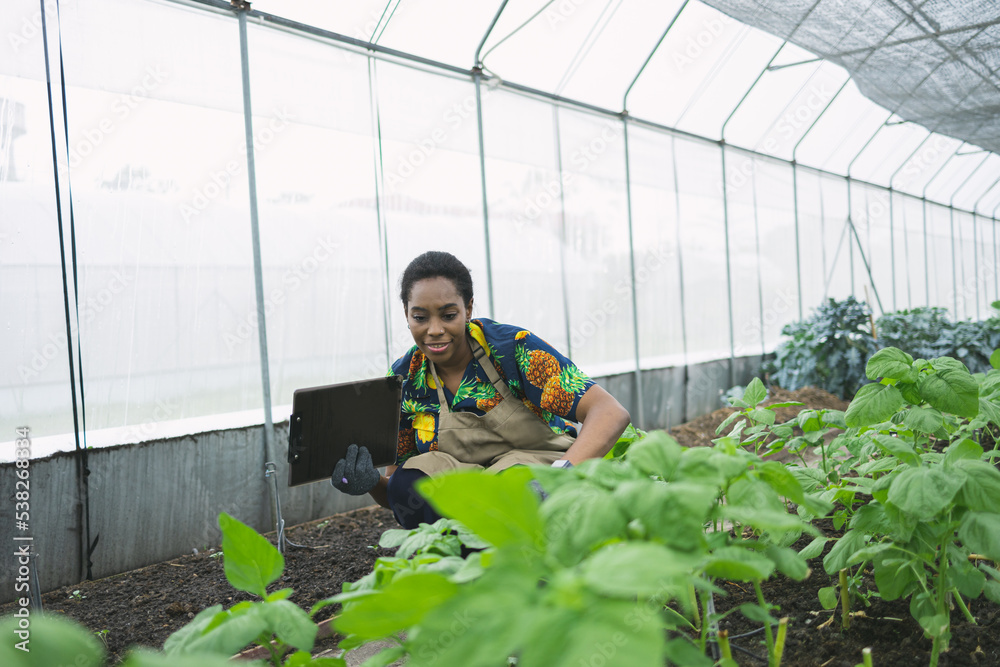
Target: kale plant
[828, 350]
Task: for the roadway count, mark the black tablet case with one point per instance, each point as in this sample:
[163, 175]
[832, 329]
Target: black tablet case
[326, 420]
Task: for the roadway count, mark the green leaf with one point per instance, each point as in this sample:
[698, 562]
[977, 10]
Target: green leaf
[767, 520]
[991, 589]
[893, 575]
[673, 513]
[176, 643]
[951, 388]
[683, 653]
[962, 449]
[291, 624]
[924, 492]
[898, 447]
[608, 632]
[980, 533]
[781, 480]
[48, 641]
[965, 576]
[874, 403]
[756, 613]
[578, 518]
[828, 597]
[635, 568]
[762, 416]
[981, 491]
[736, 564]
[656, 454]
[814, 548]
[995, 359]
[790, 563]
[400, 605]
[889, 363]
[383, 658]
[755, 392]
[227, 632]
[481, 625]
[989, 410]
[923, 420]
[502, 509]
[841, 554]
[251, 562]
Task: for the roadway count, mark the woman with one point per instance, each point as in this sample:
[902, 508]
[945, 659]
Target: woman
[476, 394]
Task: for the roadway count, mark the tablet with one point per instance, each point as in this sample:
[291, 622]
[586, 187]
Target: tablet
[326, 420]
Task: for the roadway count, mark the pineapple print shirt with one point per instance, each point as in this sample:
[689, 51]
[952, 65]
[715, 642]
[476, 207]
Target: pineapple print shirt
[545, 381]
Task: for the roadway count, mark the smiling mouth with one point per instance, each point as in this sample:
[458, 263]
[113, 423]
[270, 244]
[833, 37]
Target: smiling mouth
[438, 347]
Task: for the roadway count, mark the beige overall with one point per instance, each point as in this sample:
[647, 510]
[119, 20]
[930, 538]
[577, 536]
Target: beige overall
[507, 435]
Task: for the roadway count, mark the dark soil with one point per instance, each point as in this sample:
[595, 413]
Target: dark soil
[145, 606]
[886, 627]
[701, 431]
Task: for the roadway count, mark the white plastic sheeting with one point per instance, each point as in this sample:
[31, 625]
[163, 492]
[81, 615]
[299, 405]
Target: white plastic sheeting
[630, 242]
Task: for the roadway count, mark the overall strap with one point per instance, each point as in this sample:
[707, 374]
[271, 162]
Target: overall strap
[491, 371]
[440, 390]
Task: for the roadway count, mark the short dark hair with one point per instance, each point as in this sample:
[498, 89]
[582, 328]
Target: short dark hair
[435, 264]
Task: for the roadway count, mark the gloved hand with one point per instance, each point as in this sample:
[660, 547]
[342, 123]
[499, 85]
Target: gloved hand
[355, 474]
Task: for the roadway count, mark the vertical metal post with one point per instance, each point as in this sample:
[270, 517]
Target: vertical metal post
[975, 207]
[477, 76]
[725, 213]
[255, 240]
[631, 255]
[926, 239]
[975, 255]
[562, 231]
[383, 227]
[680, 250]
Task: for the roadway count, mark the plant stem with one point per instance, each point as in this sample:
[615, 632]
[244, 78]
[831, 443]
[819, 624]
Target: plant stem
[704, 626]
[779, 643]
[961, 605]
[845, 600]
[727, 652]
[767, 625]
[694, 606]
[866, 657]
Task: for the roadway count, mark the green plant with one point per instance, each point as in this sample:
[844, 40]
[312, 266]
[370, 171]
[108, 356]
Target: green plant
[251, 564]
[596, 563]
[935, 498]
[827, 350]
[77, 596]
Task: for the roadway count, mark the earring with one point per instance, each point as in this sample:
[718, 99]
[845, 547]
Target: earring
[407, 326]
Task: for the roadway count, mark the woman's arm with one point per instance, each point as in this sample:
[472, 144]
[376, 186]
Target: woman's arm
[603, 420]
[380, 490]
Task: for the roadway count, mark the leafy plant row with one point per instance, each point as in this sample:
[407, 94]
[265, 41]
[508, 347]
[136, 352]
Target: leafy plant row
[620, 563]
[830, 348]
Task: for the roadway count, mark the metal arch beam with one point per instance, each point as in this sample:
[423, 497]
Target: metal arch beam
[651, 54]
[477, 61]
[951, 202]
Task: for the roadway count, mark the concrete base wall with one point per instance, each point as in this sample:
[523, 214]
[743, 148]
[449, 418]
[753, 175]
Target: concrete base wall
[157, 500]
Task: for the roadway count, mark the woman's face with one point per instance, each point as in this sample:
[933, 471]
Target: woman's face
[437, 318]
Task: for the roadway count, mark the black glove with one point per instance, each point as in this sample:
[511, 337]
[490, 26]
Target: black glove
[355, 474]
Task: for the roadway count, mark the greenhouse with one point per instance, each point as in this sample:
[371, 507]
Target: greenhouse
[207, 206]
